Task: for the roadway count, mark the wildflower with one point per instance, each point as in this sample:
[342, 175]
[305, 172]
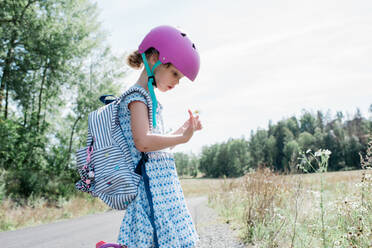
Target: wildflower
[321, 152]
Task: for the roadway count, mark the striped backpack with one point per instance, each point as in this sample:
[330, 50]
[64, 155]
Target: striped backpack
[105, 165]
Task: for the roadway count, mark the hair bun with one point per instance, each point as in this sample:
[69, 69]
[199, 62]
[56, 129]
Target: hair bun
[134, 60]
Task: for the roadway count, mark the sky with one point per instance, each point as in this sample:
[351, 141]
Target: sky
[260, 60]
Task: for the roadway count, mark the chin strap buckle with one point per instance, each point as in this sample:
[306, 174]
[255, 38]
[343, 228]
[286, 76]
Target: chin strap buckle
[153, 80]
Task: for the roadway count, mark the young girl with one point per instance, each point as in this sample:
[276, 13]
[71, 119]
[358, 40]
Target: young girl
[167, 55]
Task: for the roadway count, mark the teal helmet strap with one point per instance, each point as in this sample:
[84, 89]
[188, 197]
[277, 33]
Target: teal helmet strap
[150, 83]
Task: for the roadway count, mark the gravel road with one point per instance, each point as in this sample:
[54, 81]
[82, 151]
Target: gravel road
[85, 231]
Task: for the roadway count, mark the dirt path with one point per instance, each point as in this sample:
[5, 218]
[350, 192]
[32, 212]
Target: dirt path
[212, 231]
[85, 231]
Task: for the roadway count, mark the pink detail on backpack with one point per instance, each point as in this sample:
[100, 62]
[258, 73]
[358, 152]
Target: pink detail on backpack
[89, 152]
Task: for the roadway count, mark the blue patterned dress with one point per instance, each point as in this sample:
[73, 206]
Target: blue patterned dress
[173, 221]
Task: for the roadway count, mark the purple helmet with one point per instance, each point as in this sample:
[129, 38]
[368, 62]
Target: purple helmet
[173, 47]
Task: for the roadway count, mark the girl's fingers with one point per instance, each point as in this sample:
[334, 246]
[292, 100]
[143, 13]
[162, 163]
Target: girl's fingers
[191, 116]
[197, 123]
[199, 126]
[194, 121]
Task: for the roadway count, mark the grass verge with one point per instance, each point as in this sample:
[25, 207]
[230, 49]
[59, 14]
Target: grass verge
[272, 210]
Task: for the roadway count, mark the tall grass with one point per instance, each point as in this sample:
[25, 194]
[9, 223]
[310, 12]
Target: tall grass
[38, 211]
[254, 203]
[305, 210]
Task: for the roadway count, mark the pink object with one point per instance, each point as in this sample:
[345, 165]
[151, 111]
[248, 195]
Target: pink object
[89, 152]
[87, 181]
[174, 47]
[102, 244]
[98, 245]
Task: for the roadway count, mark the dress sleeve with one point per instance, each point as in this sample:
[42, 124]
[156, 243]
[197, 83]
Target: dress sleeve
[135, 96]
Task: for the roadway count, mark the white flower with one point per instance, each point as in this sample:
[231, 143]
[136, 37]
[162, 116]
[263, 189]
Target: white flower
[327, 152]
[321, 152]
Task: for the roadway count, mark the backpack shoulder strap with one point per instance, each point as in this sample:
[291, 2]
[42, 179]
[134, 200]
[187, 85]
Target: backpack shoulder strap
[141, 91]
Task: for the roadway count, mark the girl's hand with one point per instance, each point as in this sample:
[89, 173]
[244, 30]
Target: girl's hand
[198, 124]
[183, 129]
[189, 127]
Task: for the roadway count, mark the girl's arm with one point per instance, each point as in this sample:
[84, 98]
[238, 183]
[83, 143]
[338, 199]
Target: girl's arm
[179, 131]
[143, 139]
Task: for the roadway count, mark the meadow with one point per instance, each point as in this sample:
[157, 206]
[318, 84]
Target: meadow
[272, 210]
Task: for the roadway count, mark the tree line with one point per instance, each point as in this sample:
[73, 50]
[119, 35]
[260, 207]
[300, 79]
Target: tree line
[278, 146]
[53, 57]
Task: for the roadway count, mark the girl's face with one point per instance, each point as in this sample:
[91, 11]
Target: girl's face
[167, 77]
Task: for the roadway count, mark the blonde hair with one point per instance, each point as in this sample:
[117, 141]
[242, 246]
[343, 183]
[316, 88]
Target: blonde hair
[135, 61]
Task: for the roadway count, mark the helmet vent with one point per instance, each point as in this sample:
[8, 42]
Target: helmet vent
[183, 34]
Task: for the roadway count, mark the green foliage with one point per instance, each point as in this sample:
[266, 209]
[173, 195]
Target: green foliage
[228, 159]
[308, 123]
[52, 57]
[279, 146]
[2, 185]
[290, 150]
[187, 164]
